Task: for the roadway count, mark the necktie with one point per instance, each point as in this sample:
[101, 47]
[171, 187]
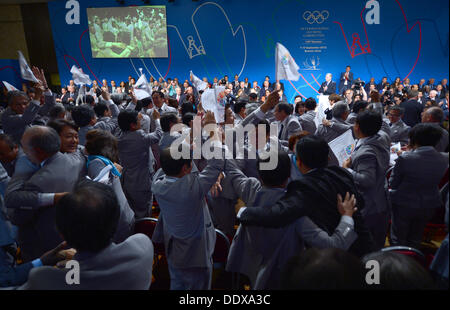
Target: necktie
[281, 131]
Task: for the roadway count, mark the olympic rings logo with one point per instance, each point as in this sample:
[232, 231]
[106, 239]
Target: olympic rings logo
[316, 16]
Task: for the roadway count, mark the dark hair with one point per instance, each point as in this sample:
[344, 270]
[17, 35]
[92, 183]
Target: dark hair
[158, 92]
[59, 124]
[103, 143]
[298, 105]
[398, 109]
[374, 96]
[280, 174]
[436, 114]
[425, 134]
[359, 105]
[400, 272]
[187, 118]
[126, 118]
[88, 217]
[323, 269]
[167, 119]
[335, 98]
[369, 122]
[286, 107]
[252, 96]
[82, 115]
[171, 166]
[8, 140]
[56, 110]
[310, 103]
[100, 109]
[187, 107]
[313, 151]
[89, 99]
[294, 139]
[239, 106]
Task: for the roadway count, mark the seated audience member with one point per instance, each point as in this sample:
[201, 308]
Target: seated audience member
[307, 119]
[103, 264]
[400, 272]
[134, 148]
[103, 156]
[324, 269]
[435, 116]
[11, 274]
[368, 164]
[68, 134]
[30, 197]
[288, 123]
[314, 195]
[358, 107]
[399, 130]
[168, 120]
[414, 185]
[300, 108]
[260, 253]
[189, 244]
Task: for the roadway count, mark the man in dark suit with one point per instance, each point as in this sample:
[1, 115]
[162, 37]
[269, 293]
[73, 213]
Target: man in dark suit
[431, 84]
[444, 85]
[236, 82]
[412, 109]
[346, 80]
[328, 87]
[315, 196]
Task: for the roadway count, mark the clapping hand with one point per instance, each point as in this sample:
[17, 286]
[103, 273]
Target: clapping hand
[346, 207]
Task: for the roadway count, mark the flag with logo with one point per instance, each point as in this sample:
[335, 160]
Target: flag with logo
[25, 70]
[141, 88]
[79, 77]
[8, 86]
[343, 146]
[199, 84]
[214, 100]
[285, 66]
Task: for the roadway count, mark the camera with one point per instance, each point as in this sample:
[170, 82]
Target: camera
[359, 84]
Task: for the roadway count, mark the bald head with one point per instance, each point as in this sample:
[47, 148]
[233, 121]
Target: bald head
[433, 115]
[40, 143]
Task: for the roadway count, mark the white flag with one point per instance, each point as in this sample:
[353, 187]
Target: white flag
[141, 88]
[343, 146]
[324, 104]
[285, 66]
[80, 78]
[8, 86]
[214, 100]
[25, 70]
[199, 84]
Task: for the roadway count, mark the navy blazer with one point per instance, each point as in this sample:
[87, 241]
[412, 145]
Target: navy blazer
[330, 90]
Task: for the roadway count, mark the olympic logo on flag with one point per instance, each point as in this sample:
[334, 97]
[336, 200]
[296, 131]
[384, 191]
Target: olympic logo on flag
[316, 16]
[349, 149]
[285, 59]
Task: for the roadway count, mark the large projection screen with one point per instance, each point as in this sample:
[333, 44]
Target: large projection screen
[128, 32]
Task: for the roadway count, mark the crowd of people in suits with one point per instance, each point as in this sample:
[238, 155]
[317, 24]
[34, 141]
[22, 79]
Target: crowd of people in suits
[80, 168]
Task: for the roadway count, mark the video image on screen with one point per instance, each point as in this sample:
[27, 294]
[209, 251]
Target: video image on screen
[128, 32]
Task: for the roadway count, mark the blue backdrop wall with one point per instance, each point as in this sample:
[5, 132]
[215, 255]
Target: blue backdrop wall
[393, 38]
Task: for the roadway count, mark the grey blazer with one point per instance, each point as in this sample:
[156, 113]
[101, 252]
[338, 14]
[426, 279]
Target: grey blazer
[37, 231]
[337, 128]
[443, 143]
[185, 225]
[260, 253]
[415, 178]
[15, 124]
[399, 132]
[307, 121]
[124, 266]
[291, 126]
[134, 148]
[370, 161]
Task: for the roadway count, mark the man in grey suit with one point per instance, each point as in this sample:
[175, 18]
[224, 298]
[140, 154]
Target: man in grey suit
[21, 112]
[414, 185]
[399, 130]
[168, 120]
[368, 165]
[330, 130]
[307, 119]
[435, 116]
[288, 123]
[30, 197]
[260, 253]
[87, 220]
[185, 223]
[134, 147]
